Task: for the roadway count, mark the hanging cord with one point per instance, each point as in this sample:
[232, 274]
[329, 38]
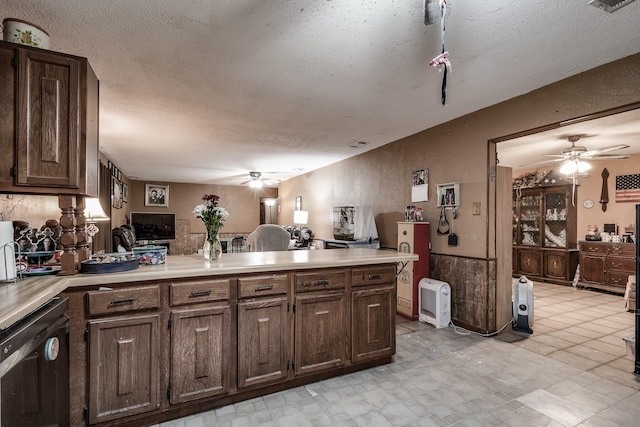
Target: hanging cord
[442, 61]
[443, 10]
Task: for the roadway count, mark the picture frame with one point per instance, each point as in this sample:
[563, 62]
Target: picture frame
[156, 195]
[299, 203]
[116, 193]
[125, 193]
[420, 185]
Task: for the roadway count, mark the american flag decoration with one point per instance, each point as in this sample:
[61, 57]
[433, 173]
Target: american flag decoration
[628, 188]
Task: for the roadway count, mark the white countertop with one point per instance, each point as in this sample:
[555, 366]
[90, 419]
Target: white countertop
[24, 296]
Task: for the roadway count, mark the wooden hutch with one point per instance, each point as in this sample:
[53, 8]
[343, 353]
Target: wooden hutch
[544, 230]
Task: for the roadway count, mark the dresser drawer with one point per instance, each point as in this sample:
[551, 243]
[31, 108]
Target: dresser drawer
[618, 279]
[123, 300]
[626, 250]
[373, 276]
[199, 291]
[258, 286]
[593, 248]
[318, 281]
[617, 263]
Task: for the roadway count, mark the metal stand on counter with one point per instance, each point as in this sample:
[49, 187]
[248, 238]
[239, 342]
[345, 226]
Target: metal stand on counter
[8, 271]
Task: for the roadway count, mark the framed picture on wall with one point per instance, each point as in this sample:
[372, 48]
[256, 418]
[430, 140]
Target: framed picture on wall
[125, 193]
[116, 193]
[156, 195]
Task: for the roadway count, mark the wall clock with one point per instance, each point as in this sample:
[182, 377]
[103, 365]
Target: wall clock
[588, 204]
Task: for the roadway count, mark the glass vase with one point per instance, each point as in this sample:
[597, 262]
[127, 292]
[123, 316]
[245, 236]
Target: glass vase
[212, 247]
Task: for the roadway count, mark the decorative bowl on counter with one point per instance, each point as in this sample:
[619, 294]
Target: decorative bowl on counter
[38, 257]
[150, 255]
[109, 263]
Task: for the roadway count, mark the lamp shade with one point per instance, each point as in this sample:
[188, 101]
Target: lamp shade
[300, 217]
[93, 211]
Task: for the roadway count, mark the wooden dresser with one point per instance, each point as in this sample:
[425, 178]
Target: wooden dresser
[606, 265]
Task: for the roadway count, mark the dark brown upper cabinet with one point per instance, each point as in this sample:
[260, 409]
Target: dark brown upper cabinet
[49, 122]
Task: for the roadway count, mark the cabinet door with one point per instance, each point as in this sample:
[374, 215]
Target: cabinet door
[529, 220]
[48, 109]
[7, 117]
[372, 319]
[123, 367]
[530, 262]
[592, 268]
[200, 349]
[555, 265]
[262, 341]
[555, 219]
[320, 335]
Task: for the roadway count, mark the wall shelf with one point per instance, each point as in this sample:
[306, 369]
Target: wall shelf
[448, 195]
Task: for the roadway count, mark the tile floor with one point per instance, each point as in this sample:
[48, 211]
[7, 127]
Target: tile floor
[572, 371]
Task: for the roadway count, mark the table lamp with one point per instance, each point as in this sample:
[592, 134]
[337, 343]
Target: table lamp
[93, 213]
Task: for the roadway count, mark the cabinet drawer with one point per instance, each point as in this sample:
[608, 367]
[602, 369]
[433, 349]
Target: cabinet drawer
[627, 250]
[199, 291]
[617, 263]
[593, 248]
[307, 282]
[618, 279]
[251, 287]
[373, 276]
[123, 300]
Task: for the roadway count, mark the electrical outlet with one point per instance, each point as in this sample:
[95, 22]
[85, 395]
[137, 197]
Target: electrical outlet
[476, 208]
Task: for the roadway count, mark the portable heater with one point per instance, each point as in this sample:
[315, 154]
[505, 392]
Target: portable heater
[434, 302]
[523, 305]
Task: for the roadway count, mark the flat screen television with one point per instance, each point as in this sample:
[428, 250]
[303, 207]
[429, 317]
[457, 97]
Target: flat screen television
[154, 226]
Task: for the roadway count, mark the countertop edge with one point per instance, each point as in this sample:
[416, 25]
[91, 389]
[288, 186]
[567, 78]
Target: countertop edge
[18, 299]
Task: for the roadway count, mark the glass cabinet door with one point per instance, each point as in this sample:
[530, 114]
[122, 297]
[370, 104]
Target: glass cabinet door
[530, 220]
[555, 220]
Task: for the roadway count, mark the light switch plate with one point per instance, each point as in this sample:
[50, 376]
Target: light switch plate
[476, 208]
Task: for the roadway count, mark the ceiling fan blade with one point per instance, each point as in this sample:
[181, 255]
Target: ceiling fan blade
[605, 149]
[560, 156]
[542, 162]
[607, 156]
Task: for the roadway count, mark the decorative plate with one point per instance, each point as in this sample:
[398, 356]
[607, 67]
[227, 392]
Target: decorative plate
[588, 204]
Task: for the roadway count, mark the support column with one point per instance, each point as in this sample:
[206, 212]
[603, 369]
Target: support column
[69, 257]
[82, 238]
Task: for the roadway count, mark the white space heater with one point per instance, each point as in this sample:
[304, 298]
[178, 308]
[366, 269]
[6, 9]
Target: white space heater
[523, 305]
[434, 302]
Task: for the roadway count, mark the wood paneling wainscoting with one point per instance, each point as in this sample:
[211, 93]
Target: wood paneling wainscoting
[473, 290]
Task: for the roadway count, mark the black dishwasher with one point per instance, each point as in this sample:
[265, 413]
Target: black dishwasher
[34, 368]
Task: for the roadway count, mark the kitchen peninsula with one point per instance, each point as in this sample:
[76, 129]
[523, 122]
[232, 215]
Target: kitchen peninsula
[189, 335]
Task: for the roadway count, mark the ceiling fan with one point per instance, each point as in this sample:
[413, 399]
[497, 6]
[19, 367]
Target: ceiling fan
[573, 158]
[255, 180]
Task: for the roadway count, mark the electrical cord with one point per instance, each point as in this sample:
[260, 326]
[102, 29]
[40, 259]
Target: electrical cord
[462, 331]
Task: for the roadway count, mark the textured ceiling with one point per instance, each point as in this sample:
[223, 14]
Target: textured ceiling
[205, 91]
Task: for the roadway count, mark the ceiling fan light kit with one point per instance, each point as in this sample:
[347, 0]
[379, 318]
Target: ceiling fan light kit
[571, 166]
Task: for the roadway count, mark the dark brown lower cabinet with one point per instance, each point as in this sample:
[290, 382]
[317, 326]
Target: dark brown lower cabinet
[371, 311]
[552, 265]
[200, 345]
[263, 329]
[124, 368]
[145, 352]
[320, 339]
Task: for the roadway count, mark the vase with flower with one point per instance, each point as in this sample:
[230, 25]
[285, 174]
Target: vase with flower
[213, 217]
